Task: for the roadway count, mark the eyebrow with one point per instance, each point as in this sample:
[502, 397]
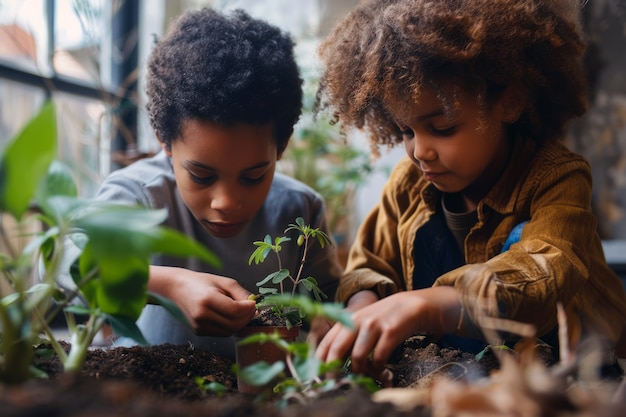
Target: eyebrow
[421, 118]
[430, 115]
[197, 164]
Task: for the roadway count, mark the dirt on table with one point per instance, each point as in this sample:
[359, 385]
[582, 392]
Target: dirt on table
[163, 380]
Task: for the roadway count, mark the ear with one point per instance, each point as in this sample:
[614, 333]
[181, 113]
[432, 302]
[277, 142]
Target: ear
[167, 148]
[513, 102]
[280, 152]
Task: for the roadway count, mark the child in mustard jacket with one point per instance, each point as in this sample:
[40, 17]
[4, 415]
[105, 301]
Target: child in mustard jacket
[489, 215]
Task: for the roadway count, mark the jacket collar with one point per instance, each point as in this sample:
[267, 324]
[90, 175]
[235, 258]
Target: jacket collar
[503, 197]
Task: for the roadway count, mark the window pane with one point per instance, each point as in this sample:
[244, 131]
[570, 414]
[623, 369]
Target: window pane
[82, 144]
[23, 35]
[18, 104]
[79, 26]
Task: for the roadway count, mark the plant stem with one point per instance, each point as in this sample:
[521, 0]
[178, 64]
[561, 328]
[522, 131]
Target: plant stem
[292, 368]
[301, 267]
[280, 266]
[81, 339]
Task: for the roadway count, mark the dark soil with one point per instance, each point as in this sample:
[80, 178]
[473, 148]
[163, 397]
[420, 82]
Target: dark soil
[162, 381]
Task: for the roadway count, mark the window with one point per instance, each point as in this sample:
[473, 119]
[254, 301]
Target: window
[81, 54]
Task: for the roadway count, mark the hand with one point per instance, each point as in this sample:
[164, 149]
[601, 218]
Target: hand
[214, 305]
[320, 326]
[383, 325]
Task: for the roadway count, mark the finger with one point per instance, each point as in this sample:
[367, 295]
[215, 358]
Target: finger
[341, 344]
[319, 328]
[363, 346]
[382, 351]
[336, 344]
[235, 291]
[321, 352]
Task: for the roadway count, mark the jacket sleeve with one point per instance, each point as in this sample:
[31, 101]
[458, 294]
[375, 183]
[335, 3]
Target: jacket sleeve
[559, 258]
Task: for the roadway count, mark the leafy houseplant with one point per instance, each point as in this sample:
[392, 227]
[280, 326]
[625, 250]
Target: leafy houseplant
[270, 336]
[110, 274]
[290, 314]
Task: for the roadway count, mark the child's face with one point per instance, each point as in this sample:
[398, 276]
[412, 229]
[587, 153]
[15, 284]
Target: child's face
[224, 173]
[463, 154]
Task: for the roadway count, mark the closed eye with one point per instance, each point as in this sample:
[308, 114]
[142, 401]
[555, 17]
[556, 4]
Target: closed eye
[203, 180]
[407, 132]
[253, 180]
[449, 131]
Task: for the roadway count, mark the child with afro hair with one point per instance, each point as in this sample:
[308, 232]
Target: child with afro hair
[489, 215]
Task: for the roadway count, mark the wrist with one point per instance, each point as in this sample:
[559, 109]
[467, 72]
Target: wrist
[361, 299]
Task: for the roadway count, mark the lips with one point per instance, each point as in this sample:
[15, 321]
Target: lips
[431, 176]
[224, 229]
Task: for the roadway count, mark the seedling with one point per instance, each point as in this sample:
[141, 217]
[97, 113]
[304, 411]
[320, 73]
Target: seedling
[301, 376]
[307, 235]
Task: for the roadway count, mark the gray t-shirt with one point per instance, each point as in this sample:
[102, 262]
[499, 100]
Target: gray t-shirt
[151, 184]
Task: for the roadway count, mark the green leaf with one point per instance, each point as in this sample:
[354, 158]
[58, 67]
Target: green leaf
[312, 286]
[46, 239]
[261, 373]
[81, 268]
[211, 386]
[58, 185]
[25, 161]
[117, 230]
[77, 310]
[275, 277]
[58, 181]
[13, 297]
[280, 276]
[337, 312]
[118, 283]
[169, 305]
[262, 337]
[125, 327]
[307, 367]
[122, 285]
[260, 253]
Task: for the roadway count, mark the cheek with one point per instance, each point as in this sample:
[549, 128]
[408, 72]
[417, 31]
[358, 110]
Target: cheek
[193, 195]
[409, 148]
[195, 199]
[256, 196]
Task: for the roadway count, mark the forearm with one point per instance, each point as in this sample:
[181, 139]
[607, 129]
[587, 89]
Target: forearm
[163, 278]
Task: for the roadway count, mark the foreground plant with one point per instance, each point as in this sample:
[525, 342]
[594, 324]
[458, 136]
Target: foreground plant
[306, 237]
[110, 275]
[301, 376]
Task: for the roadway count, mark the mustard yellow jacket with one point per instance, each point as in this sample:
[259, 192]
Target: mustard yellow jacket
[559, 257]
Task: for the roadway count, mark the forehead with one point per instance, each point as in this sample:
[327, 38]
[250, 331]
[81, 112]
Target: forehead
[425, 101]
[223, 146]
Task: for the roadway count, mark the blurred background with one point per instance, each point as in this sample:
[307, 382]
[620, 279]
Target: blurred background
[89, 57]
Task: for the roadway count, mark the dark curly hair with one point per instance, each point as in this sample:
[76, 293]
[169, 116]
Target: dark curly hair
[386, 51]
[226, 70]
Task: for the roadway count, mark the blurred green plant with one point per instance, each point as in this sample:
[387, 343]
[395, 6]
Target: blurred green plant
[302, 377]
[110, 274]
[321, 156]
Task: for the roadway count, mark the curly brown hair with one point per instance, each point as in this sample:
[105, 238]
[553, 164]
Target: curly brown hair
[384, 51]
[223, 68]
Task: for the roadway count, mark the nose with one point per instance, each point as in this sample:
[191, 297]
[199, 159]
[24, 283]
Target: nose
[420, 149]
[225, 198]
